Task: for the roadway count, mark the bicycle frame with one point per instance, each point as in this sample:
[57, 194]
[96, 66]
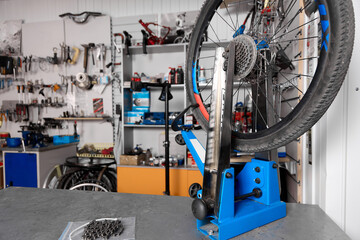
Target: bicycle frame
[153, 39]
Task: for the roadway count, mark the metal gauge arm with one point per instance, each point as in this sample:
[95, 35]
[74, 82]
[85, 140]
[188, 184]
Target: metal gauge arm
[219, 135]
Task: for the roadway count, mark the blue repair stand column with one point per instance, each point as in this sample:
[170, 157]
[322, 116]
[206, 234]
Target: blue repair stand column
[238, 217]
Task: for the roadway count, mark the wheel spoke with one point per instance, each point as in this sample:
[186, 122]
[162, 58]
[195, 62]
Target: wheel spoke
[206, 57]
[297, 74]
[293, 40]
[290, 7]
[303, 59]
[214, 32]
[257, 108]
[292, 83]
[290, 21]
[214, 42]
[294, 29]
[225, 20]
[286, 101]
[207, 84]
[267, 99]
[229, 15]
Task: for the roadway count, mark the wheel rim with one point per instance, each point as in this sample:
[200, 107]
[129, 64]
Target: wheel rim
[200, 53]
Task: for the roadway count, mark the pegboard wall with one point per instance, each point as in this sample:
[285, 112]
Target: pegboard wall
[40, 40]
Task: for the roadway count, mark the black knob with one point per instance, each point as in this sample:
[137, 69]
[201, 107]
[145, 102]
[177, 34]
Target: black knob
[257, 180]
[228, 175]
[257, 192]
[199, 209]
[257, 169]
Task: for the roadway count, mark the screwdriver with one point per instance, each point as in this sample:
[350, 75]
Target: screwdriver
[18, 90]
[23, 92]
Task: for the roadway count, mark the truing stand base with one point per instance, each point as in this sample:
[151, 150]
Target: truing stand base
[238, 217]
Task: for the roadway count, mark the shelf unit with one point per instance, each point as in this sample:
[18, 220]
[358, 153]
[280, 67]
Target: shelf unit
[158, 59]
[85, 119]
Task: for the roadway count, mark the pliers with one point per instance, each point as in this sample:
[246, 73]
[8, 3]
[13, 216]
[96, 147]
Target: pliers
[118, 45]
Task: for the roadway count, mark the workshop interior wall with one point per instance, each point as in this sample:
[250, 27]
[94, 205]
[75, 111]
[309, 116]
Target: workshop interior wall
[45, 10]
[335, 173]
[38, 40]
[335, 145]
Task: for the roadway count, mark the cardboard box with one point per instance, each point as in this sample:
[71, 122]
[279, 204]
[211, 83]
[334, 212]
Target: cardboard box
[141, 101]
[133, 117]
[133, 160]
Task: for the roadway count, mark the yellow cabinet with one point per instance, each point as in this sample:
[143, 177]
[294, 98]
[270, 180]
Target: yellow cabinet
[151, 180]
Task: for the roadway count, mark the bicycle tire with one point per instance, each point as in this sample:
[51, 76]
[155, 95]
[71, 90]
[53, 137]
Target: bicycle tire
[332, 68]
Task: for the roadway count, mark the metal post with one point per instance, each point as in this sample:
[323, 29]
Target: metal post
[167, 143]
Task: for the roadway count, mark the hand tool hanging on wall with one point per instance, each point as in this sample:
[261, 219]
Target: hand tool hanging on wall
[2, 117]
[55, 58]
[76, 55]
[30, 59]
[26, 113]
[62, 52]
[9, 65]
[19, 65]
[68, 58]
[127, 43]
[18, 113]
[86, 52]
[80, 17]
[25, 63]
[82, 79]
[145, 40]
[9, 114]
[15, 67]
[91, 48]
[23, 93]
[64, 82]
[118, 45]
[30, 88]
[18, 91]
[100, 56]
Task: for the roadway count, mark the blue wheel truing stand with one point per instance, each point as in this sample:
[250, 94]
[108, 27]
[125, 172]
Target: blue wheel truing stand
[245, 199]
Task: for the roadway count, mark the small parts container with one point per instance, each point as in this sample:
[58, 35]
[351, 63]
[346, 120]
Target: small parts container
[13, 142]
[61, 139]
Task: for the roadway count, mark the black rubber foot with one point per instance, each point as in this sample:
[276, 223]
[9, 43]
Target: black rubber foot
[199, 209]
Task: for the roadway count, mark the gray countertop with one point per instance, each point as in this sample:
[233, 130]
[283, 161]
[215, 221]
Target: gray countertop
[49, 146]
[28, 213]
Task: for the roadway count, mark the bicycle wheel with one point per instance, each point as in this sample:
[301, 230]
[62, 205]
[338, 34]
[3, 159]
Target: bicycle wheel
[286, 77]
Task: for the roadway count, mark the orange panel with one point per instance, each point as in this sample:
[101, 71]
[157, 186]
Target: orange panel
[145, 180]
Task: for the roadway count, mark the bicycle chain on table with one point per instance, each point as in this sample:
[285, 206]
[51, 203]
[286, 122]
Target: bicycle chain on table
[102, 229]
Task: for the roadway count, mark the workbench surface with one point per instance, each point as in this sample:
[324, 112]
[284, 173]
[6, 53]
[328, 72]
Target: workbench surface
[42, 214]
[29, 149]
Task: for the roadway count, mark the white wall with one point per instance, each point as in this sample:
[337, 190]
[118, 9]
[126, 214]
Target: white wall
[46, 10]
[336, 165]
